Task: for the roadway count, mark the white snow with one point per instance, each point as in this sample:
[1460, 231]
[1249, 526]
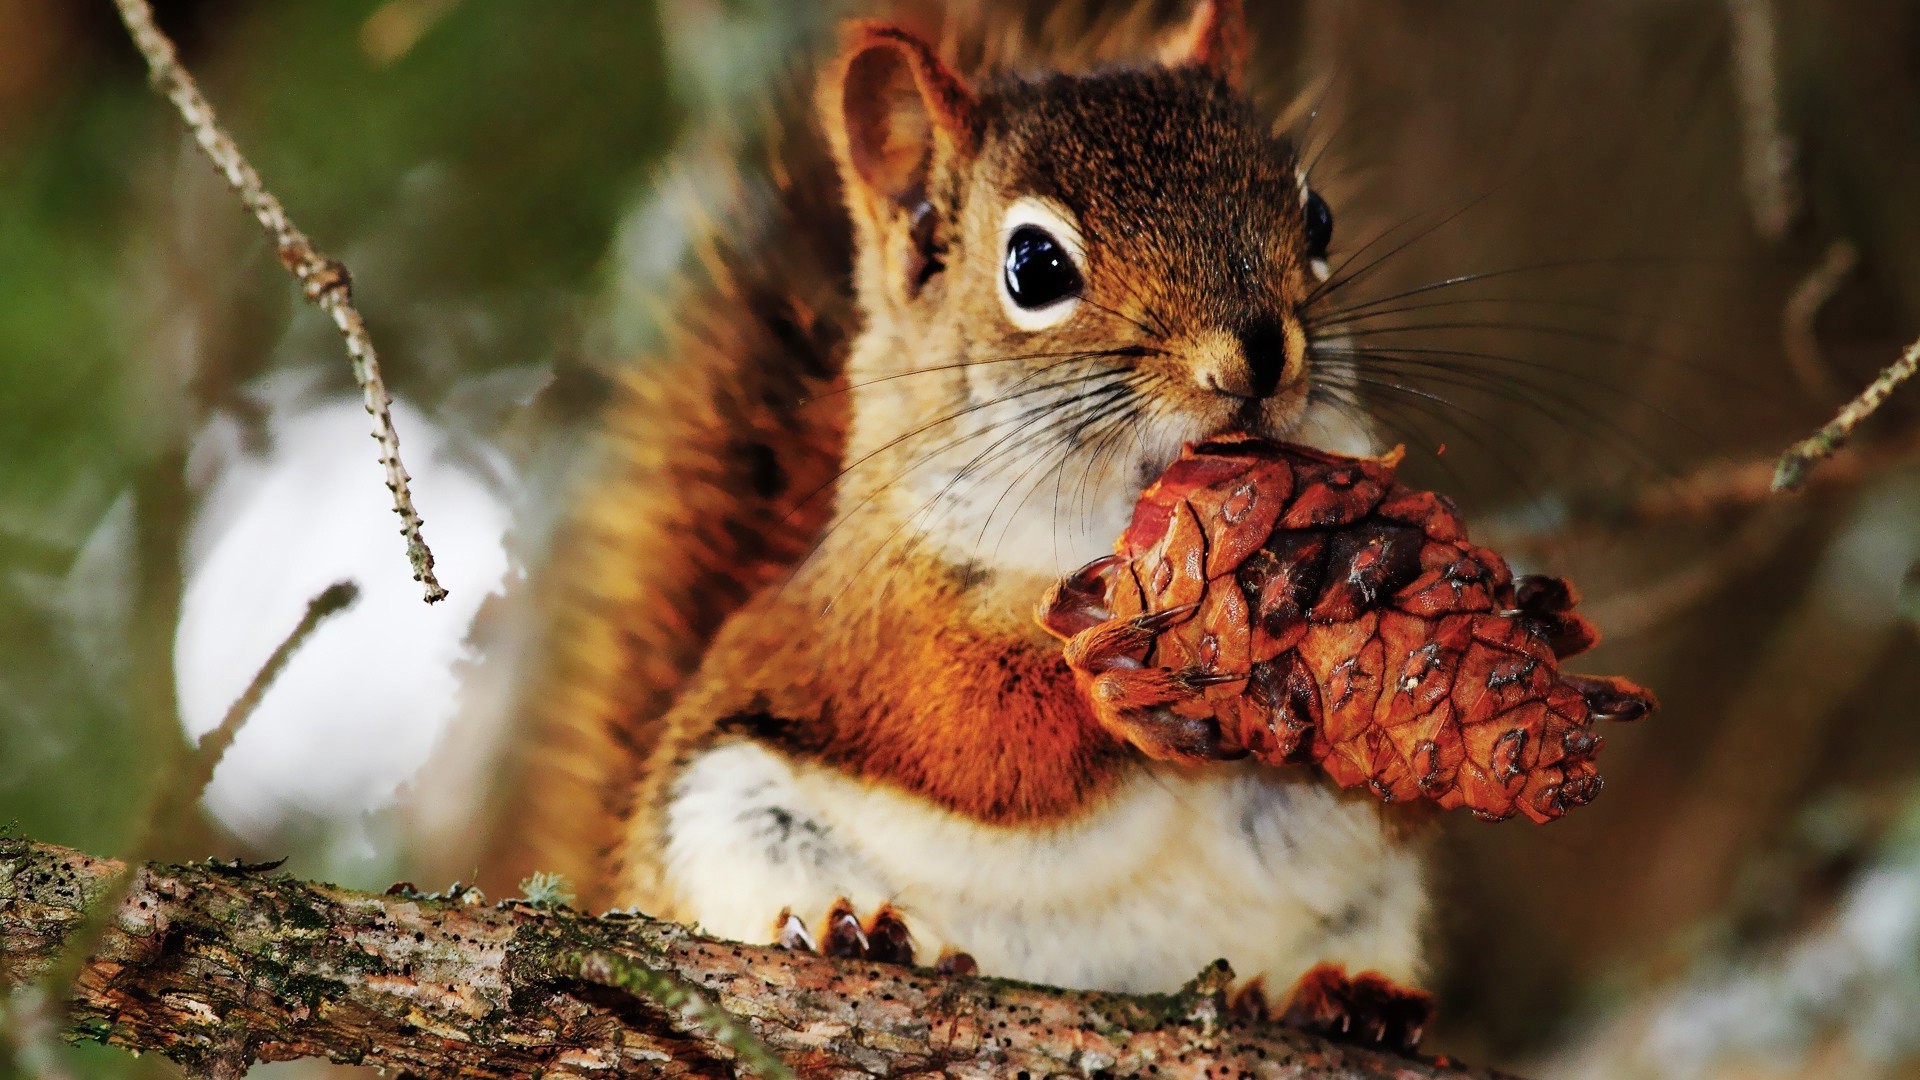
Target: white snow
[361, 707]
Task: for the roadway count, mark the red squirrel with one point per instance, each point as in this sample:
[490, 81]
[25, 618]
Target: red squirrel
[797, 692]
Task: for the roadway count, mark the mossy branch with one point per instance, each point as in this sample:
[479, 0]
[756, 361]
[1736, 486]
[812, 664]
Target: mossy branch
[218, 966]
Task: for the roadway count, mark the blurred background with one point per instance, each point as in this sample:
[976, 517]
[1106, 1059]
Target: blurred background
[1700, 234]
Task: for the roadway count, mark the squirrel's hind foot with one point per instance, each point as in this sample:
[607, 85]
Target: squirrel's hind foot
[1368, 1009]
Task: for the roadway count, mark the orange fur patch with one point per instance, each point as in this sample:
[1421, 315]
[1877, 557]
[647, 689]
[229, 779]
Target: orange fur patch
[981, 717]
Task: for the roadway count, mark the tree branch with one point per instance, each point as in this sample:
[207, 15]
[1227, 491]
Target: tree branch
[217, 966]
[1802, 456]
[324, 280]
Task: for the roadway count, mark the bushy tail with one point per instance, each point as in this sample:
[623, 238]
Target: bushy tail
[714, 474]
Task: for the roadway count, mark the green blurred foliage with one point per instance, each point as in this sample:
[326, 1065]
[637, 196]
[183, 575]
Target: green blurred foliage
[527, 124]
[472, 175]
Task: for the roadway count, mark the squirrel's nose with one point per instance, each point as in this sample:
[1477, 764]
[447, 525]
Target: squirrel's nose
[1263, 356]
[1265, 345]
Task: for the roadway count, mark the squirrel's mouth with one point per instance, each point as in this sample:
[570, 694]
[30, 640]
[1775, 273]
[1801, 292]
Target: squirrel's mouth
[1291, 415]
[1277, 416]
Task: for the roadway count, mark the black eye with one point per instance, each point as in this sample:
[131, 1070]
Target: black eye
[1039, 271]
[1319, 227]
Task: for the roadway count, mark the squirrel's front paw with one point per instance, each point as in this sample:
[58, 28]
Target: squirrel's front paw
[1138, 702]
[1369, 1009]
[883, 938]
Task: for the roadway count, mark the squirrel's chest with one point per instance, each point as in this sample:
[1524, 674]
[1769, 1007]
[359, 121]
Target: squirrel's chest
[1170, 871]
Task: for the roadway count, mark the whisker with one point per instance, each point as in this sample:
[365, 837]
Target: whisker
[1096, 444]
[1393, 422]
[1340, 279]
[1416, 355]
[1533, 268]
[1553, 403]
[1344, 316]
[1021, 422]
[1067, 356]
[1000, 399]
[1116, 313]
[847, 515]
[1079, 425]
[1569, 333]
[1436, 408]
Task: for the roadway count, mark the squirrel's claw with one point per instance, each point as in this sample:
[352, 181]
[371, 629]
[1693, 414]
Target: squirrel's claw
[1369, 1009]
[1140, 703]
[1132, 699]
[883, 938]
[790, 933]
[888, 940]
[841, 935]
[1078, 602]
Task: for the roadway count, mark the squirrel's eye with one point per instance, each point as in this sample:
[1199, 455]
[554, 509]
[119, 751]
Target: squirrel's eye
[1039, 272]
[1319, 227]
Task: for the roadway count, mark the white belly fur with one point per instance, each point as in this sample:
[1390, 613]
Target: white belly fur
[1176, 869]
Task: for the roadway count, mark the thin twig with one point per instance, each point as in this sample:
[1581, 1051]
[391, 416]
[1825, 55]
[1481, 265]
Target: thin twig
[1769, 153]
[685, 1001]
[324, 281]
[1802, 456]
[197, 771]
[178, 794]
[1734, 487]
[1797, 332]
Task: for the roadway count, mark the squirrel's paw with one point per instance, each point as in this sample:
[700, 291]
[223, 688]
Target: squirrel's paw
[1140, 704]
[1368, 1009]
[883, 937]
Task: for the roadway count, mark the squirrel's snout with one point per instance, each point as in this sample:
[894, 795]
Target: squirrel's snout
[1253, 364]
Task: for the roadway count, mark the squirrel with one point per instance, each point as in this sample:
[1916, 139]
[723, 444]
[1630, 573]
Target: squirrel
[796, 691]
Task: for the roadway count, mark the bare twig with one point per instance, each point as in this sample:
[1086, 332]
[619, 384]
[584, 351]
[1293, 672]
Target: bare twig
[185, 789]
[1732, 486]
[1801, 457]
[324, 281]
[1798, 335]
[1769, 153]
[213, 965]
[1723, 489]
[178, 793]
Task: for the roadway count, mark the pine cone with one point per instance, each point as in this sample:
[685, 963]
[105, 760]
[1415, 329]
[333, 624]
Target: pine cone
[1304, 607]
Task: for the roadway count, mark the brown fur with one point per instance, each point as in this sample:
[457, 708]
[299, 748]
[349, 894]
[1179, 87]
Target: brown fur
[880, 657]
[715, 473]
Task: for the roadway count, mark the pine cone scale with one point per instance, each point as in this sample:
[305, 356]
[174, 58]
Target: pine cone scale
[1343, 619]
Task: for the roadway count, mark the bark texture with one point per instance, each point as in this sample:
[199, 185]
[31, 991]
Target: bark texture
[218, 966]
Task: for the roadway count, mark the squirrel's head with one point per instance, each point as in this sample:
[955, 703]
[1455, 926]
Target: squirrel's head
[1067, 276]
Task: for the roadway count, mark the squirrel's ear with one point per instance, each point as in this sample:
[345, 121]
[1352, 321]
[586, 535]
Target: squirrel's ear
[888, 104]
[1216, 38]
